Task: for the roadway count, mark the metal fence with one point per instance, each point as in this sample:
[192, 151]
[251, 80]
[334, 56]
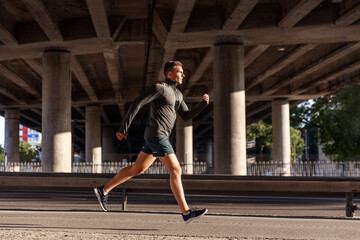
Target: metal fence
[306, 169]
[106, 167]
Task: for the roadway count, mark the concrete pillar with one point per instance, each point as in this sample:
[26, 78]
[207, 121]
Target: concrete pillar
[209, 155]
[11, 148]
[107, 144]
[184, 144]
[93, 137]
[281, 136]
[229, 107]
[56, 112]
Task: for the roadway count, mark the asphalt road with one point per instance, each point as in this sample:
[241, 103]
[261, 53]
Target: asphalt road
[77, 215]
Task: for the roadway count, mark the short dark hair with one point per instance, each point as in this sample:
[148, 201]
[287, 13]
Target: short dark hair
[170, 65]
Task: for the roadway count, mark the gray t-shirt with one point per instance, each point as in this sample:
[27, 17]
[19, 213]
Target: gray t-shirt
[165, 101]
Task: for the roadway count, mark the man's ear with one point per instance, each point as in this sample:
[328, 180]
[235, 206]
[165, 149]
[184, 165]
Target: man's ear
[168, 75]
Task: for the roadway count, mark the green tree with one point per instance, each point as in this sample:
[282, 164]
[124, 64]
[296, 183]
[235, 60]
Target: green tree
[301, 118]
[1, 153]
[338, 119]
[301, 115]
[261, 132]
[27, 152]
[297, 143]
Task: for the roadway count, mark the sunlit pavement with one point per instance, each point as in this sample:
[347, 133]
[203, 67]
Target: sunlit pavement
[76, 215]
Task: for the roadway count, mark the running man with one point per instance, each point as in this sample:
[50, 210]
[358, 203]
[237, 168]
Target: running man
[165, 101]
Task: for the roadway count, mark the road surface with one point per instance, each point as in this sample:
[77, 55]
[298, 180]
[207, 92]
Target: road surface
[77, 215]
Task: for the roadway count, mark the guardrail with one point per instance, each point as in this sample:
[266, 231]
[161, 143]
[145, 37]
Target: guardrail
[199, 184]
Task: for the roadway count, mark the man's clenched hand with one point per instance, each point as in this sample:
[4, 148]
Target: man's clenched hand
[205, 98]
[121, 136]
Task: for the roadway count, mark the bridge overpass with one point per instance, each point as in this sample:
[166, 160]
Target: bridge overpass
[71, 69]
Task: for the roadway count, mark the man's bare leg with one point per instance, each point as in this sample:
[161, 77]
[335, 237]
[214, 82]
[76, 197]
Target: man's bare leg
[142, 163]
[172, 165]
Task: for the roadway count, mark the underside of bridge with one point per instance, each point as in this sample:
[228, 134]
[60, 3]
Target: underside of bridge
[294, 50]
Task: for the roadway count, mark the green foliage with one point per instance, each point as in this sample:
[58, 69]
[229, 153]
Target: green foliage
[261, 132]
[301, 117]
[1, 153]
[27, 153]
[339, 124]
[297, 143]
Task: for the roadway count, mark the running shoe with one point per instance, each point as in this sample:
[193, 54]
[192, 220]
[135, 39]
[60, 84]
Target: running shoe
[193, 214]
[99, 192]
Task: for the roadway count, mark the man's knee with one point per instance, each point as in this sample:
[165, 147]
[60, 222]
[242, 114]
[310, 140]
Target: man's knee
[137, 170]
[175, 171]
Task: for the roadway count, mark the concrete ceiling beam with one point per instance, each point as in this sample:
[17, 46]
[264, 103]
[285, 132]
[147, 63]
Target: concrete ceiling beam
[159, 29]
[104, 115]
[36, 122]
[303, 8]
[349, 17]
[11, 96]
[76, 47]
[316, 34]
[254, 53]
[99, 17]
[7, 37]
[34, 64]
[238, 15]
[118, 29]
[320, 63]
[179, 21]
[114, 69]
[83, 79]
[79, 111]
[330, 77]
[7, 25]
[285, 61]
[181, 15]
[258, 109]
[42, 16]
[204, 64]
[303, 97]
[18, 80]
[236, 18]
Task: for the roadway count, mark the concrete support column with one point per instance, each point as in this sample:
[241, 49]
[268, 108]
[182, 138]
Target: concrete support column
[209, 155]
[229, 107]
[12, 119]
[184, 144]
[281, 136]
[93, 137]
[56, 112]
[107, 144]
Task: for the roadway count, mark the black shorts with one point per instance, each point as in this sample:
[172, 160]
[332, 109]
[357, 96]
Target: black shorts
[158, 146]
